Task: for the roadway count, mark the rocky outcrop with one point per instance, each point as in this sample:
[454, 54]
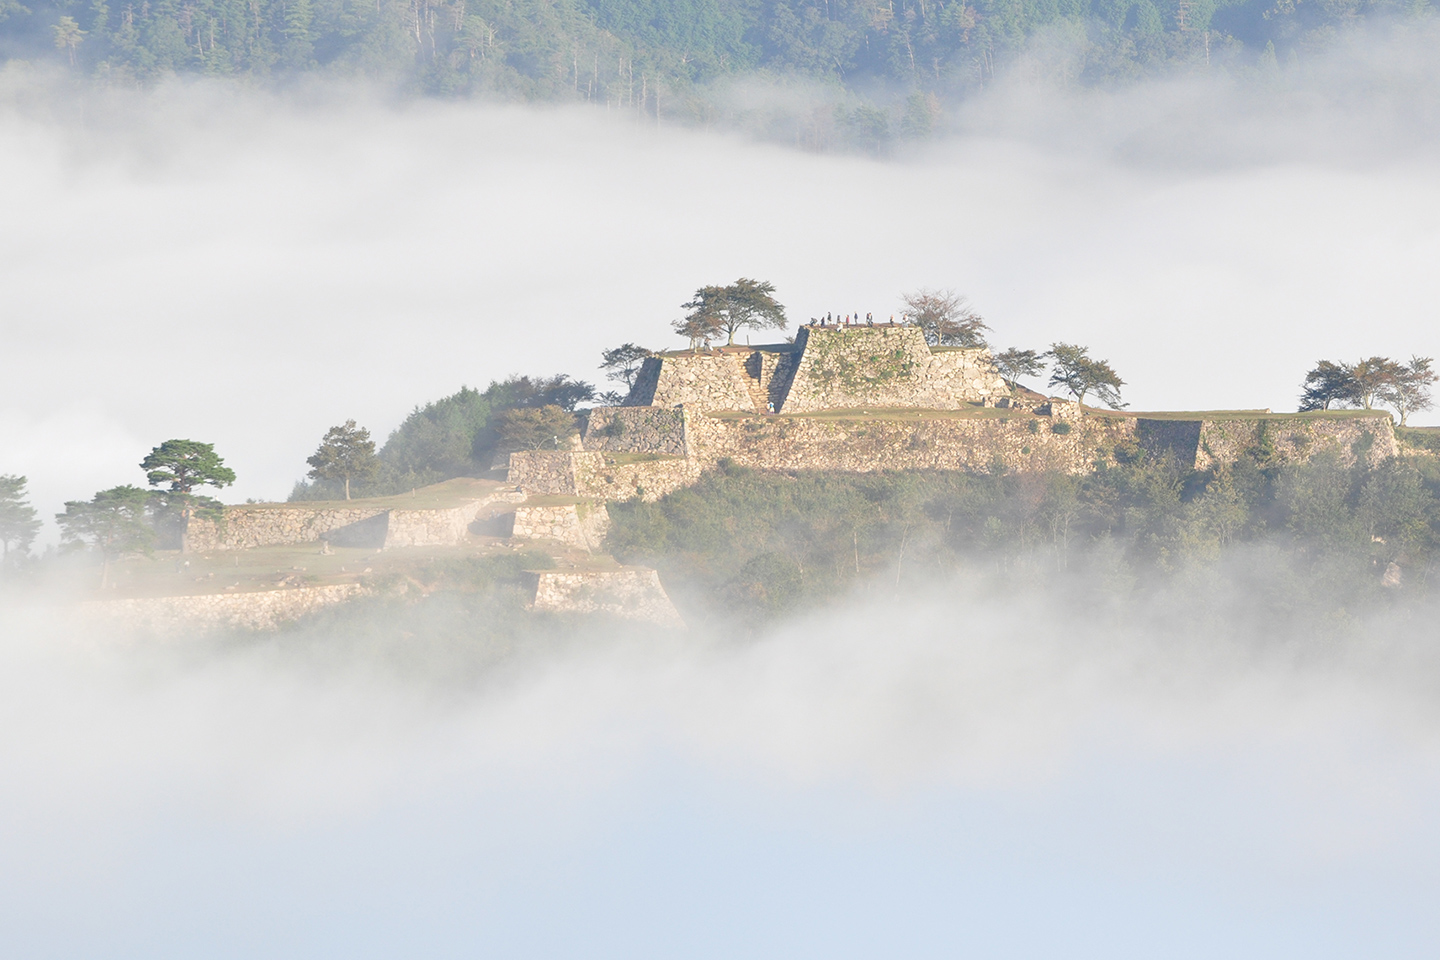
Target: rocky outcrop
[582, 525]
[255, 610]
[632, 594]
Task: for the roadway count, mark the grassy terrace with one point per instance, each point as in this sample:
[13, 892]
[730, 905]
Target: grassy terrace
[1234, 414]
[638, 457]
[169, 574]
[439, 496]
[880, 413]
[999, 413]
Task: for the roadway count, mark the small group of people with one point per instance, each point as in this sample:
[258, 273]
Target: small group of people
[850, 320]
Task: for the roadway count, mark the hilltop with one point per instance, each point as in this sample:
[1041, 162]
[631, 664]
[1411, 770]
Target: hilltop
[736, 473]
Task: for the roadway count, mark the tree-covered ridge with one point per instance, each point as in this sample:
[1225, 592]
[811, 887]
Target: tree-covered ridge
[650, 54]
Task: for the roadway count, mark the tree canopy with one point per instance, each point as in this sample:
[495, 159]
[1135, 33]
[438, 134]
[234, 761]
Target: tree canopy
[1014, 364]
[1404, 386]
[1073, 368]
[346, 453]
[946, 318]
[655, 57]
[537, 428]
[623, 362]
[18, 523]
[114, 522]
[744, 304]
[185, 465]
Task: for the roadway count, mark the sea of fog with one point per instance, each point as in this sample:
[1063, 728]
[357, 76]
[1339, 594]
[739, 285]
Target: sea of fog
[246, 268]
[944, 774]
[932, 776]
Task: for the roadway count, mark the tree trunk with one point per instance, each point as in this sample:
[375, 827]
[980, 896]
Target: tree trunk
[185, 530]
[347, 488]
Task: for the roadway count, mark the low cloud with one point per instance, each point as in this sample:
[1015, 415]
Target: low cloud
[1001, 741]
[209, 262]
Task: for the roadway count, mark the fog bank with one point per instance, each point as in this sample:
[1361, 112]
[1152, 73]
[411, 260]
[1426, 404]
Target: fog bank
[249, 269]
[992, 775]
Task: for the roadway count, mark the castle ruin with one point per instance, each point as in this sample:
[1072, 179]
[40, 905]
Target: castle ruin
[826, 368]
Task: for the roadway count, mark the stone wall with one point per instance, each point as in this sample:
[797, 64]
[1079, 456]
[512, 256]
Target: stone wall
[430, 528]
[599, 476]
[636, 430]
[582, 525]
[1016, 443]
[634, 594]
[1024, 443]
[1292, 439]
[264, 525]
[707, 379]
[887, 366]
[257, 610]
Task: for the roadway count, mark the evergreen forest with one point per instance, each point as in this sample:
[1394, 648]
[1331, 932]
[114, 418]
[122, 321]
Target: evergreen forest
[659, 57]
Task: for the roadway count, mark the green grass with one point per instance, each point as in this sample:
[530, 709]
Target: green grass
[620, 458]
[1235, 414]
[975, 412]
[437, 496]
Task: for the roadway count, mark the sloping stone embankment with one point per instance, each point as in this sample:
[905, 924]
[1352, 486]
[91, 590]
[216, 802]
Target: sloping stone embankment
[582, 525]
[633, 594]
[256, 610]
[267, 525]
[596, 476]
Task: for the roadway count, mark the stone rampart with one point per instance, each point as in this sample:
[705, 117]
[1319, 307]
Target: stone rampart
[582, 525]
[1370, 440]
[658, 430]
[599, 476]
[707, 379]
[431, 528]
[634, 594]
[256, 610]
[264, 525]
[1017, 443]
[887, 366]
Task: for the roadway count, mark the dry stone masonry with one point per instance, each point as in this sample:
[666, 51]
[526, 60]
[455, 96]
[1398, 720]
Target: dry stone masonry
[827, 368]
[267, 524]
[632, 594]
[256, 610]
[582, 525]
[593, 475]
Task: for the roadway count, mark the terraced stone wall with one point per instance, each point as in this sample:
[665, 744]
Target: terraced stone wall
[708, 380]
[658, 430]
[253, 610]
[598, 476]
[1012, 444]
[582, 525]
[1204, 444]
[632, 594]
[887, 366]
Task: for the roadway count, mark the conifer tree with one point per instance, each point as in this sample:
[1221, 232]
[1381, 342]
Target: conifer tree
[346, 453]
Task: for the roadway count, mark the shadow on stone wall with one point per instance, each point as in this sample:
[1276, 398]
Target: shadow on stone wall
[368, 533]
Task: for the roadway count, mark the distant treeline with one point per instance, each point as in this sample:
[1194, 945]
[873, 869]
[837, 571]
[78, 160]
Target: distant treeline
[459, 435]
[652, 55]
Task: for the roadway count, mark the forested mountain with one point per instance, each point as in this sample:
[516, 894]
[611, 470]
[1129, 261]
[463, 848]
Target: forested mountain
[653, 55]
